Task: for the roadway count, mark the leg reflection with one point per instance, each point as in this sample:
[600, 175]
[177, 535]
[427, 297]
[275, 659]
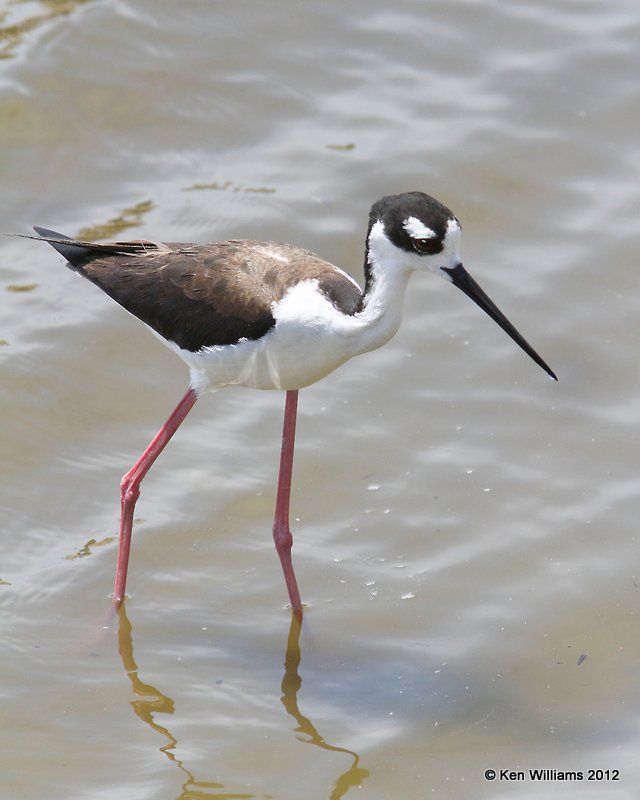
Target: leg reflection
[291, 683]
[150, 701]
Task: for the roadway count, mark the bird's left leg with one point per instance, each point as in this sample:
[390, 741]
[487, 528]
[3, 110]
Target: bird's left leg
[130, 487]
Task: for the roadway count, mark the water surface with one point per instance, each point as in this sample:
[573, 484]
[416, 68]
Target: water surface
[466, 530]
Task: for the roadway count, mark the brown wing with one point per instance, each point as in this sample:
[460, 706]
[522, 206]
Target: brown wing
[204, 295]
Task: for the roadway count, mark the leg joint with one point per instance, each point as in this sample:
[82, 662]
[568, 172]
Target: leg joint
[129, 488]
[282, 537]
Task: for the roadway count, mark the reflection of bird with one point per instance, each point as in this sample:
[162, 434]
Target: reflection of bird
[150, 702]
[291, 683]
[271, 316]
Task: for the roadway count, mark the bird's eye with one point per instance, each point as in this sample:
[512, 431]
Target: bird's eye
[426, 247]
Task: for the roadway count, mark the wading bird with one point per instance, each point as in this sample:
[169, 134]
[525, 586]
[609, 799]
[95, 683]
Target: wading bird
[271, 316]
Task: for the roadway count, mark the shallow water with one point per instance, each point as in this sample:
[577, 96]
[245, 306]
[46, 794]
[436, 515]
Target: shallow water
[465, 529]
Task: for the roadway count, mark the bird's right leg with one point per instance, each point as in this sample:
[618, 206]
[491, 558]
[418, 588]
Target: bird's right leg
[130, 487]
[281, 531]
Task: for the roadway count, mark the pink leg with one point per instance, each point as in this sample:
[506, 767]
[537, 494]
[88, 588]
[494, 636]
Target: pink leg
[130, 487]
[281, 532]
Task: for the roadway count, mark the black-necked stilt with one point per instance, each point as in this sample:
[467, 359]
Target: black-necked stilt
[271, 316]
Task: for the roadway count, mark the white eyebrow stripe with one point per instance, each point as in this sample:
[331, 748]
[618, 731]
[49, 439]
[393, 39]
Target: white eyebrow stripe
[417, 229]
[453, 225]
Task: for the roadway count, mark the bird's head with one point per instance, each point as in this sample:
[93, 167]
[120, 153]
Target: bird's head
[413, 231]
[421, 232]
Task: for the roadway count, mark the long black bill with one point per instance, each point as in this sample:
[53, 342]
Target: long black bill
[461, 278]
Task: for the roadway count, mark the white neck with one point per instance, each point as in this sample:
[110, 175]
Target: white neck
[383, 302]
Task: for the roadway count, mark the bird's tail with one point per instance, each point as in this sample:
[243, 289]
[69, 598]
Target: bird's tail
[79, 253]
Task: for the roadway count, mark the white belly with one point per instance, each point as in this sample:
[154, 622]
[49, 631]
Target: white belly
[310, 339]
[272, 362]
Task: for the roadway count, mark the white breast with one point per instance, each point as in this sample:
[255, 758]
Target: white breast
[310, 339]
